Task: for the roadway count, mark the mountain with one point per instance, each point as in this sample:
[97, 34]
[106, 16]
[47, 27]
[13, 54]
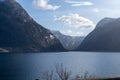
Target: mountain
[69, 42]
[105, 37]
[20, 33]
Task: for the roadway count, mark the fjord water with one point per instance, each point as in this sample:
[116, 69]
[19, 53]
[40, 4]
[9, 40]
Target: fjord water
[29, 66]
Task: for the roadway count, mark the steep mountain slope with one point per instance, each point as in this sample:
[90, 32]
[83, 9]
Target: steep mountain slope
[69, 42]
[105, 37]
[20, 33]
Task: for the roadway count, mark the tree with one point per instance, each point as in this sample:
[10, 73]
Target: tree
[62, 73]
[48, 75]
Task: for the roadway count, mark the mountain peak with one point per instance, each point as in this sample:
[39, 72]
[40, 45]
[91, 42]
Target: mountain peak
[12, 8]
[105, 21]
[104, 38]
[20, 33]
[69, 42]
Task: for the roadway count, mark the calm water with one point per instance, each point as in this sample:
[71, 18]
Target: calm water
[30, 66]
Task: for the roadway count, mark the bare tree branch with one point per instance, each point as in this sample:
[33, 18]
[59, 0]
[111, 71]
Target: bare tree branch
[62, 73]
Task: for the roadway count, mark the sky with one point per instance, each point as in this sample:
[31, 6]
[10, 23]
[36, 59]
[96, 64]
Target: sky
[71, 17]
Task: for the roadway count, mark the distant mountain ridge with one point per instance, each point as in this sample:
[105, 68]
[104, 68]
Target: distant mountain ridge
[20, 33]
[105, 37]
[69, 42]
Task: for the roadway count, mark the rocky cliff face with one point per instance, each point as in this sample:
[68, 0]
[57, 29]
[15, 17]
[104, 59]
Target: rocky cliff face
[105, 37]
[20, 33]
[69, 42]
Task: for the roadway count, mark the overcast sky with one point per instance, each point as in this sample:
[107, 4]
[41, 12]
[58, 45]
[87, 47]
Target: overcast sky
[71, 17]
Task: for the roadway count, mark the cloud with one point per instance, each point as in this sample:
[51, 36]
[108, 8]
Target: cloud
[75, 21]
[43, 4]
[96, 10]
[72, 33]
[79, 3]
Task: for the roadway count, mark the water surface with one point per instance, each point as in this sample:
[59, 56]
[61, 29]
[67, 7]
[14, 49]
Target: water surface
[30, 66]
